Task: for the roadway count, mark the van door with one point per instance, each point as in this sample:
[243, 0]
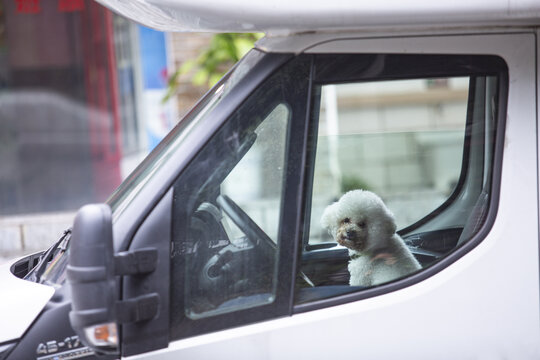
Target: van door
[443, 129]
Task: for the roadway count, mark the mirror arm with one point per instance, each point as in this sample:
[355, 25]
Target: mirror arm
[93, 273]
[141, 308]
[136, 262]
[140, 261]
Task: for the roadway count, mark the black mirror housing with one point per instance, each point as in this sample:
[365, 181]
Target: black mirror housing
[91, 272]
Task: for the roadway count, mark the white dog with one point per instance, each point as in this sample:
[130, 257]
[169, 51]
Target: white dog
[361, 222]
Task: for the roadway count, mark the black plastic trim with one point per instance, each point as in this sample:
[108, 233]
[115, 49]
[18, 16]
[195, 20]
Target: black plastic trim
[146, 297]
[90, 272]
[310, 152]
[23, 266]
[281, 306]
[136, 262]
[5, 349]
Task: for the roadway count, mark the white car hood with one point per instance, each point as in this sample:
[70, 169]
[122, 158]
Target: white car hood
[20, 303]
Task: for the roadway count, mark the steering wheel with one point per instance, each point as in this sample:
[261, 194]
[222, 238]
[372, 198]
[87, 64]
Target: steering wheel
[246, 224]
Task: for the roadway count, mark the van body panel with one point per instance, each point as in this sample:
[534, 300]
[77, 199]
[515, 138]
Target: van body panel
[301, 16]
[22, 301]
[305, 42]
[472, 308]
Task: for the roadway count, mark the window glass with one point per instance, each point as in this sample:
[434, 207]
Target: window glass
[76, 112]
[68, 117]
[237, 231]
[402, 166]
[229, 212]
[402, 139]
[257, 181]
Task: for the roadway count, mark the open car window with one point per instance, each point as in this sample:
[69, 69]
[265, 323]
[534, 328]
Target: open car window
[402, 158]
[402, 139]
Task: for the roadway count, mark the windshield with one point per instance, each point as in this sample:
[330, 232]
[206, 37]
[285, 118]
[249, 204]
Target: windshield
[123, 195]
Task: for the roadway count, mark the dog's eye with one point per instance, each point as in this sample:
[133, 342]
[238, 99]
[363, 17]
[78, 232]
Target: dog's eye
[362, 224]
[346, 220]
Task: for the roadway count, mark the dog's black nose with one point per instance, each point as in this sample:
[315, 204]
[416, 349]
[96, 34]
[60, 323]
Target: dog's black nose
[351, 233]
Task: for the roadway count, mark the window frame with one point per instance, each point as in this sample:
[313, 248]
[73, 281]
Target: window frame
[465, 165]
[418, 66]
[181, 326]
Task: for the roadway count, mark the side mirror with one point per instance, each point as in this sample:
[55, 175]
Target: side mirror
[91, 277]
[93, 273]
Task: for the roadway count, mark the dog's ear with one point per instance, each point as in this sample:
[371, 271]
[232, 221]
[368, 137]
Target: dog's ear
[387, 224]
[390, 223]
[329, 218]
[380, 228]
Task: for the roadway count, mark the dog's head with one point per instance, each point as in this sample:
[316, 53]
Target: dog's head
[359, 220]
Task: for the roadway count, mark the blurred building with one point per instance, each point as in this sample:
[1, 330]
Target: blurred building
[185, 47]
[80, 104]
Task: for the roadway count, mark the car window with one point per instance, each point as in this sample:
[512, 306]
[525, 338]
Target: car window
[230, 211]
[402, 139]
[402, 167]
[234, 235]
[256, 182]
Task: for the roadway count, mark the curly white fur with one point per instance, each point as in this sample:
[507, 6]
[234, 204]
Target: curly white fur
[361, 221]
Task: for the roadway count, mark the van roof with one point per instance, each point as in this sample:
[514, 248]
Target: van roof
[294, 16]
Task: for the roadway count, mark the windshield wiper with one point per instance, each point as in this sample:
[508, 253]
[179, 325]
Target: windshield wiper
[35, 274]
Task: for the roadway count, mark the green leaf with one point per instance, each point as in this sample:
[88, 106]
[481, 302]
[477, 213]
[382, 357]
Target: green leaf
[214, 78]
[186, 67]
[243, 46]
[221, 54]
[200, 77]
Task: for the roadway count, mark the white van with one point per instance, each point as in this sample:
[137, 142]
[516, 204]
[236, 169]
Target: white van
[214, 248]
